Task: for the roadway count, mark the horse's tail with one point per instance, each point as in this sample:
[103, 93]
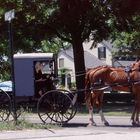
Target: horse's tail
[87, 85]
[87, 81]
[88, 77]
[91, 77]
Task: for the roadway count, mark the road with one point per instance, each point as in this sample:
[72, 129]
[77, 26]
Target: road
[78, 129]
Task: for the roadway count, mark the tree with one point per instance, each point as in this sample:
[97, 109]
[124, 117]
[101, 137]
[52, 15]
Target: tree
[73, 21]
[28, 30]
[125, 24]
[76, 21]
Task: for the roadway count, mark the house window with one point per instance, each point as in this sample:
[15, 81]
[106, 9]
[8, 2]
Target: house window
[61, 62]
[102, 52]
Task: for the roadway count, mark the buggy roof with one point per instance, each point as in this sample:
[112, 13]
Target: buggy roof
[33, 55]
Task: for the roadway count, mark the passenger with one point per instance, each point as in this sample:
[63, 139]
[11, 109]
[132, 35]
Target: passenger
[43, 82]
[39, 81]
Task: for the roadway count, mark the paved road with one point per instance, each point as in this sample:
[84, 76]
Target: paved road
[77, 129]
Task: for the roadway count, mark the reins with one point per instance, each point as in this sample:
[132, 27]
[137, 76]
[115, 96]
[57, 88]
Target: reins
[107, 86]
[103, 87]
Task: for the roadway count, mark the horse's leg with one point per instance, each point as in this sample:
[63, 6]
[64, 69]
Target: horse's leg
[138, 109]
[91, 120]
[90, 104]
[137, 116]
[133, 116]
[100, 109]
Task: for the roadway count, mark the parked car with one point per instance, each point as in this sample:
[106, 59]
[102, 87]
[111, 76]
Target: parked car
[6, 86]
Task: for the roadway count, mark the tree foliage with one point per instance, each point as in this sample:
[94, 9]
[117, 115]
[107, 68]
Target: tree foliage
[47, 24]
[72, 21]
[29, 31]
[126, 26]
[77, 21]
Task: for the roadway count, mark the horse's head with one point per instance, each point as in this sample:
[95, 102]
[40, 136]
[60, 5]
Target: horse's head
[136, 66]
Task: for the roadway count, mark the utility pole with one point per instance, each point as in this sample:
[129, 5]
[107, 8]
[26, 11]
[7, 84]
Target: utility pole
[9, 16]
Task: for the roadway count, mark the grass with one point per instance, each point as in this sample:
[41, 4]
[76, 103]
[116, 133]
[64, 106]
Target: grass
[20, 125]
[118, 109]
[23, 123]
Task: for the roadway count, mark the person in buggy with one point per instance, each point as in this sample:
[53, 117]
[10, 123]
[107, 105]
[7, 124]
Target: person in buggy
[43, 81]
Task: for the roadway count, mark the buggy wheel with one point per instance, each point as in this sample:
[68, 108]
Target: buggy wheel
[56, 106]
[5, 105]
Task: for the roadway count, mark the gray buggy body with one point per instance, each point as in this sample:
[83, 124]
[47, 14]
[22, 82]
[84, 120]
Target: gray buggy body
[24, 71]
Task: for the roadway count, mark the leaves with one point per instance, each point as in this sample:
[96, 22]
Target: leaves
[45, 25]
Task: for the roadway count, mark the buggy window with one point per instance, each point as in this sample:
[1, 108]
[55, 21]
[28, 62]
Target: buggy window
[46, 66]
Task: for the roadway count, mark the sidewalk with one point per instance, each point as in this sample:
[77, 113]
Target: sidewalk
[68, 134]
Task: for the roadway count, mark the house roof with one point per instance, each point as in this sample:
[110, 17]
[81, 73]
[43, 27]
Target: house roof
[122, 63]
[68, 52]
[92, 61]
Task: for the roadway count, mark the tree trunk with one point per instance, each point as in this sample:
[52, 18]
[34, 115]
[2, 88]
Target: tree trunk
[79, 64]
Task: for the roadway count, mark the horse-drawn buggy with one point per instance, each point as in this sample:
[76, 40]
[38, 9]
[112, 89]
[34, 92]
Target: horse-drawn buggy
[35, 77]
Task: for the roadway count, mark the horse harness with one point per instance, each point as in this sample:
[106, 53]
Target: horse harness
[129, 70]
[99, 85]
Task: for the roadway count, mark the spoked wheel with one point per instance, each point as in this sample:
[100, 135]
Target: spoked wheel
[5, 105]
[56, 106]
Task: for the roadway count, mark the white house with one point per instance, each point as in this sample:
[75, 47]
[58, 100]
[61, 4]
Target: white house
[101, 55]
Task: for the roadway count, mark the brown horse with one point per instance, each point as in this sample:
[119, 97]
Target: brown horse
[100, 78]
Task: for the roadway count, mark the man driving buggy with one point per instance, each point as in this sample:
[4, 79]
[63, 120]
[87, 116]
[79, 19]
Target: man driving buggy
[43, 78]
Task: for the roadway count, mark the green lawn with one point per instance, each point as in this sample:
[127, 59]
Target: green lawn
[118, 109]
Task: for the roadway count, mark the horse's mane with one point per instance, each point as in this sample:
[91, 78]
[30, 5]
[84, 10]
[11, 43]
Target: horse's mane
[103, 66]
[119, 68]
